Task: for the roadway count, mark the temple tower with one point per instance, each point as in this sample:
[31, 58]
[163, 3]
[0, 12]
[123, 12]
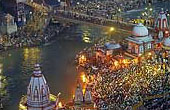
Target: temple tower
[161, 25]
[38, 91]
[88, 96]
[78, 95]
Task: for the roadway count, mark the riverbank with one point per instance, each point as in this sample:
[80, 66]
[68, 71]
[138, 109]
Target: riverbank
[25, 38]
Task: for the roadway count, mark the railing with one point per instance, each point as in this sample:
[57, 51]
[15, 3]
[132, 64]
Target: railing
[96, 20]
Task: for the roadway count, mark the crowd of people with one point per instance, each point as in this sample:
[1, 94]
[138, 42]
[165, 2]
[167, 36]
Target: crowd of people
[105, 8]
[26, 38]
[128, 85]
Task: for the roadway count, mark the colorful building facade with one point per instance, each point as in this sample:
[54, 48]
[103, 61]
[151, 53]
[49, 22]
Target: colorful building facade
[140, 41]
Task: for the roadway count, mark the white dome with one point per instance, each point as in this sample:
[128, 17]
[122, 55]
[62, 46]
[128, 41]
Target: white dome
[167, 42]
[140, 30]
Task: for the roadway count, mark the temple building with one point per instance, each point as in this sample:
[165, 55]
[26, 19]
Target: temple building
[161, 26]
[112, 47]
[7, 24]
[140, 41]
[18, 9]
[88, 97]
[78, 95]
[81, 101]
[38, 94]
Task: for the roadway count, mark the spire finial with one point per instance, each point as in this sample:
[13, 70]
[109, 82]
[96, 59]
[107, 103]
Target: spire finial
[162, 9]
[37, 70]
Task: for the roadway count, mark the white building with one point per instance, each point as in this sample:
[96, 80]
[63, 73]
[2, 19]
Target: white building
[38, 94]
[7, 24]
[78, 95]
[140, 41]
[87, 96]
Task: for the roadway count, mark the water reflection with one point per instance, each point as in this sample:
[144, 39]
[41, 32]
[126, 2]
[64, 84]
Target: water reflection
[57, 61]
[3, 84]
[31, 56]
[86, 37]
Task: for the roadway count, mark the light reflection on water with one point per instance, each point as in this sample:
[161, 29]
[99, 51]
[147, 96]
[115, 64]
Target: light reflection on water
[3, 83]
[31, 57]
[56, 59]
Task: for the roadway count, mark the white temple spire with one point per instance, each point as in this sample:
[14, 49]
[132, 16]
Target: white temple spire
[161, 24]
[38, 91]
[88, 96]
[78, 95]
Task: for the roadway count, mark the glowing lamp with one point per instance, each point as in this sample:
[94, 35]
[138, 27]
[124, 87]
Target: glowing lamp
[149, 53]
[166, 32]
[112, 29]
[84, 79]
[60, 105]
[116, 63]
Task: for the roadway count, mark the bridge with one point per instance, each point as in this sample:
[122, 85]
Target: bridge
[38, 5]
[67, 20]
[100, 21]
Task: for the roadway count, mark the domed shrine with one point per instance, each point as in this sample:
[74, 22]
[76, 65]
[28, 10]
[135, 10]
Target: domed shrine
[161, 25]
[81, 98]
[78, 95]
[38, 95]
[140, 41]
[82, 101]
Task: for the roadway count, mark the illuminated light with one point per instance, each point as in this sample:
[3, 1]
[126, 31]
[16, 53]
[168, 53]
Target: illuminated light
[116, 63]
[92, 78]
[22, 107]
[73, 96]
[166, 32]
[60, 105]
[94, 105]
[125, 61]
[140, 54]
[112, 29]
[84, 79]
[143, 14]
[86, 39]
[84, 90]
[119, 10]
[135, 60]
[150, 9]
[82, 59]
[149, 53]
[146, 8]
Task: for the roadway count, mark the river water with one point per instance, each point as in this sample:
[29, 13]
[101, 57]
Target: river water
[56, 59]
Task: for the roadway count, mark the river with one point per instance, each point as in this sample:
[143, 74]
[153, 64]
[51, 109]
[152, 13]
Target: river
[56, 59]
